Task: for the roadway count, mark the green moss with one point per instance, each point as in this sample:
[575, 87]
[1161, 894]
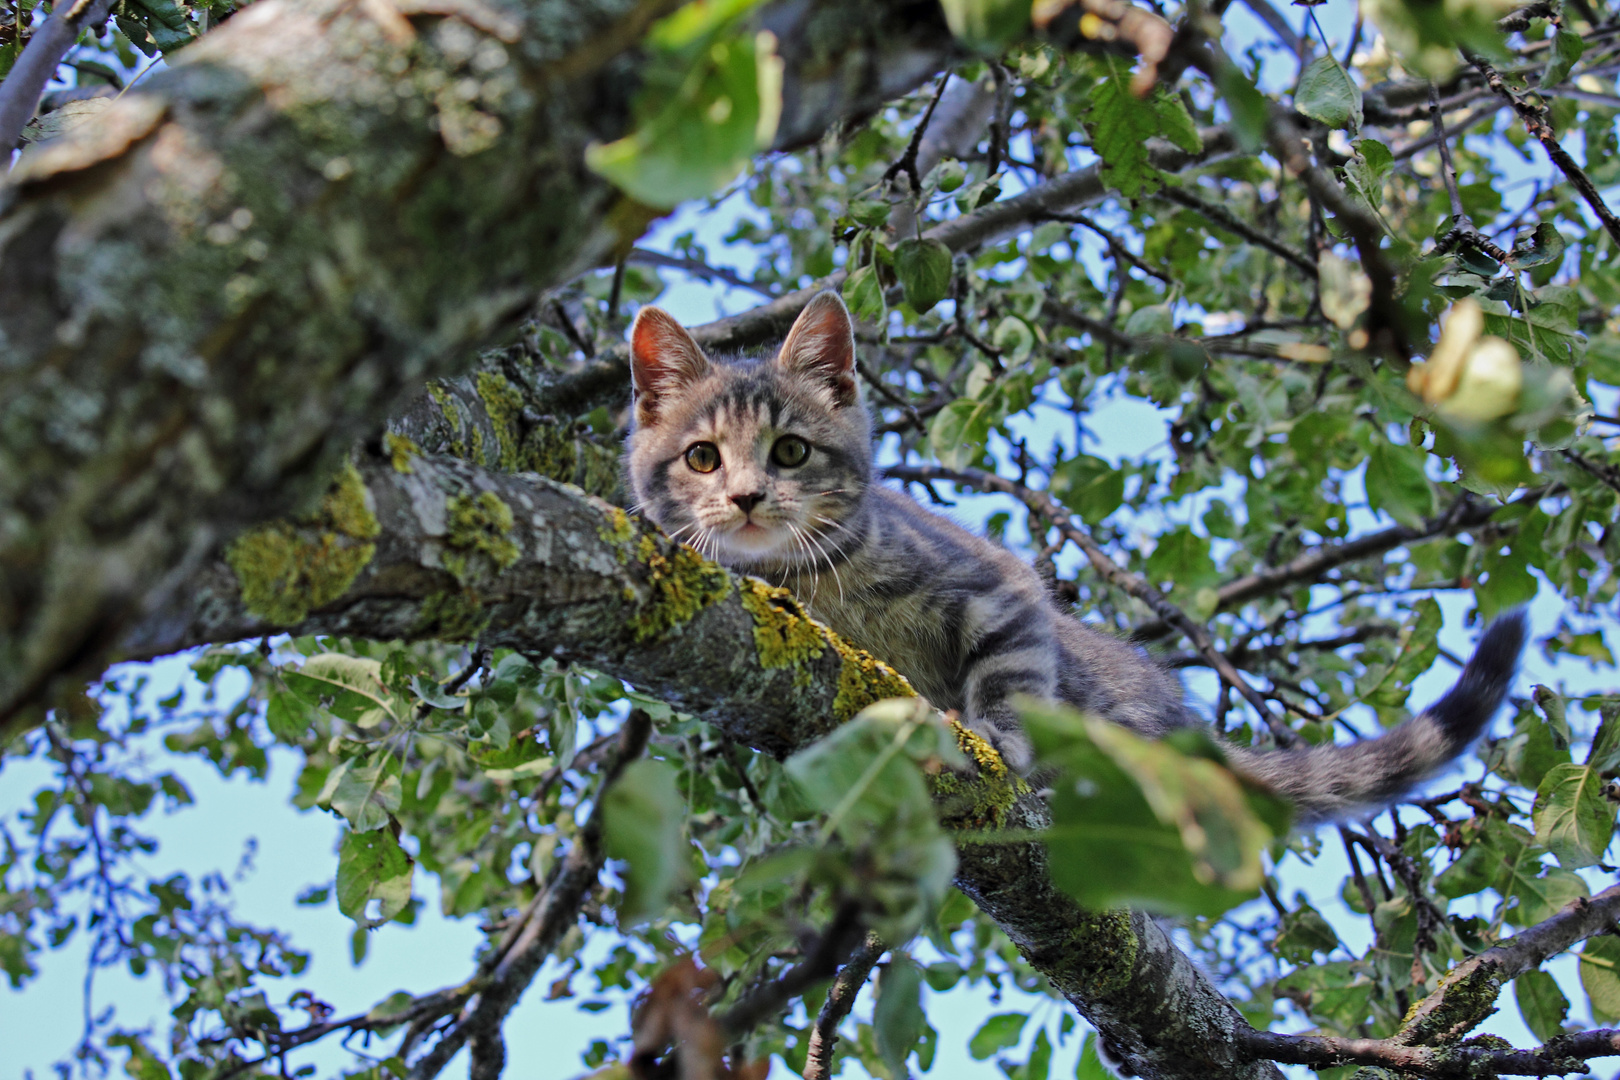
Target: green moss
[784, 636]
[982, 800]
[456, 615]
[1464, 998]
[400, 452]
[863, 679]
[1102, 954]
[478, 526]
[683, 584]
[289, 568]
[478, 456]
[505, 408]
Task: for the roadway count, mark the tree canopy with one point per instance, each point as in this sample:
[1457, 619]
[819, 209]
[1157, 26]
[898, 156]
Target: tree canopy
[313, 365]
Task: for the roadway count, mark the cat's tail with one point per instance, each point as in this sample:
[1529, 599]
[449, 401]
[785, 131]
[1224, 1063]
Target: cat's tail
[1333, 781]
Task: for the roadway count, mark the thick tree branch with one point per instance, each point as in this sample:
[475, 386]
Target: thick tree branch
[303, 237]
[576, 579]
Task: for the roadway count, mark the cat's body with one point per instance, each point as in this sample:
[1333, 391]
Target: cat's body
[766, 465]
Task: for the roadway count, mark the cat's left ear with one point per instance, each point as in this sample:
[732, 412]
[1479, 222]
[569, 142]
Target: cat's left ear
[821, 345]
[663, 359]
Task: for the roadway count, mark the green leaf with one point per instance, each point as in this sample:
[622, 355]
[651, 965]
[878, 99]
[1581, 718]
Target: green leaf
[1251, 110]
[1397, 485]
[711, 102]
[1368, 169]
[1117, 121]
[1543, 244]
[1303, 934]
[897, 1017]
[349, 687]
[372, 866]
[642, 819]
[1567, 49]
[1137, 822]
[1600, 976]
[863, 293]
[997, 1033]
[1573, 818]
[363, 794]
[1337, 993]
[1175, 122]
[1089, 486]
[1541, 1003]
[987, 26]
[924, 270]
[1327, 94]
[1039, 1065]
[959, 430]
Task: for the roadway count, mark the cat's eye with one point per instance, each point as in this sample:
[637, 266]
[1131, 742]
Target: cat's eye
[703, 457]
[790, 451]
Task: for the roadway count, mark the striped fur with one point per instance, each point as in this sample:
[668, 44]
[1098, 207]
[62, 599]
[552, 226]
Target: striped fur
[969, 624]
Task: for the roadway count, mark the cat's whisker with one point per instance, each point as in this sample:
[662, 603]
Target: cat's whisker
[831, 565]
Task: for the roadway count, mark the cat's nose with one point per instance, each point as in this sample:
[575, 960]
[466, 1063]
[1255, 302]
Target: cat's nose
[748, 502]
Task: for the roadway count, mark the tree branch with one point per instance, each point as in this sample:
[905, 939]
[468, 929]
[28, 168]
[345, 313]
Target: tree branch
[508, 969]
[1309, 566]
[840, 1000]
[23, 85]
[583, 582]
[1536, 123]
[1229, 221]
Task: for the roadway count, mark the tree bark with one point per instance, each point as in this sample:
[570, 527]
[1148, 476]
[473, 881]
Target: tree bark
[252, 258]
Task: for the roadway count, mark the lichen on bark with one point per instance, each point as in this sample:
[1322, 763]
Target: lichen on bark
[289, 568]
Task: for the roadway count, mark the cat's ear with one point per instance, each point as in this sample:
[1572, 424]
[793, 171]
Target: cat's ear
[663, 359]
[821, 345]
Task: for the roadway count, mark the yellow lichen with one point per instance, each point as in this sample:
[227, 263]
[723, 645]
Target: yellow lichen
[863, 679]
[619, 530]
[784, 636]
[980, 800]
[478, 525]
[452, 418]
[289, 568]
[400, 452]
[683, 584]
[504, 405]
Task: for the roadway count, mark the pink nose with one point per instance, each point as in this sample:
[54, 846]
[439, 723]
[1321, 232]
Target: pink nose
[748, 502]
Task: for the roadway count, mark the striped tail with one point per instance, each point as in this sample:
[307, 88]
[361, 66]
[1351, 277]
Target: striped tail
[1332, 781]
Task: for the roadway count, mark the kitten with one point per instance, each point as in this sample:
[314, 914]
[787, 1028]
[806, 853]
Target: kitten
[765, 464]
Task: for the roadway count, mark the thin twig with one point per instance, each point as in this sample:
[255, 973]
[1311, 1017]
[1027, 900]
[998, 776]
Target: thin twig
[1115, 245]
[1234, 224]
[1463, 231]
[1535, 121]
[840, 1000]
[908, 160]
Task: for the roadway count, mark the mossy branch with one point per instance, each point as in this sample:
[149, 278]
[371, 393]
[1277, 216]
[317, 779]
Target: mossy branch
[562, 574]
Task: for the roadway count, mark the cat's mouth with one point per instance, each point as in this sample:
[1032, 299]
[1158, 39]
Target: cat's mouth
[752, 538]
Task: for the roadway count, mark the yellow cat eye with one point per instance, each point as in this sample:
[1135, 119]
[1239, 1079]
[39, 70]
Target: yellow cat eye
[790, 451]
[703, 457]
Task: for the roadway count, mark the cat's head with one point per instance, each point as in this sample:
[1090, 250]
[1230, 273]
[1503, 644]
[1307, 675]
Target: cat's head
[756, 461]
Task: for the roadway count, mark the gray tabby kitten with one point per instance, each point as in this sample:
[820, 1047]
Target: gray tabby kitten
[766, 465]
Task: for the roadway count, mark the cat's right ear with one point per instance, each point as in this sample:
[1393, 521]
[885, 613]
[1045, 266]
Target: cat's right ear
[663, 360]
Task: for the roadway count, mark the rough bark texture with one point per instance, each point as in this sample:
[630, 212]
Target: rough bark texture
[444, 549]
[250, 259]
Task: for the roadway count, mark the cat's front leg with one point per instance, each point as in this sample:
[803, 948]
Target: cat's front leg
[1016, 654]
